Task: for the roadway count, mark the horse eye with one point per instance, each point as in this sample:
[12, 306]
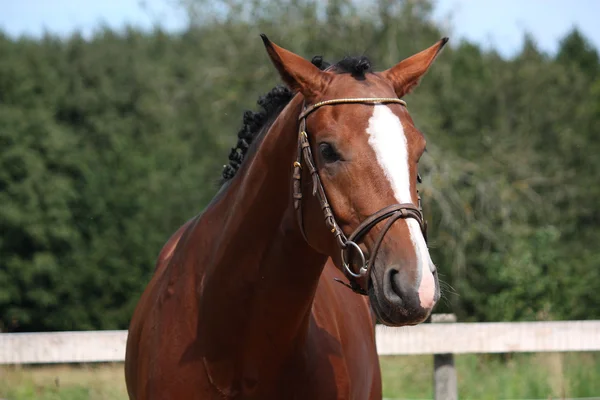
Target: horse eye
[328, 153]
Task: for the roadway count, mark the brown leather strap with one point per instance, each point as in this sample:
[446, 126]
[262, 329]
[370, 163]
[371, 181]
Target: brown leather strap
[392, 214]
[359, 100]
[319, 191]
[406, 210]
[297, 176]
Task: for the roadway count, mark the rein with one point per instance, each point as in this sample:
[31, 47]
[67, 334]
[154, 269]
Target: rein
[358, 281]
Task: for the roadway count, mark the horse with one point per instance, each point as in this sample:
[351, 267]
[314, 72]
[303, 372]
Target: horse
[246, 301]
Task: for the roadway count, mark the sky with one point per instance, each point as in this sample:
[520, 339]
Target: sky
[499, 23]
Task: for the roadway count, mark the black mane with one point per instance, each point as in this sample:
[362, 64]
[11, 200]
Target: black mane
[272, 103]
[357, 66]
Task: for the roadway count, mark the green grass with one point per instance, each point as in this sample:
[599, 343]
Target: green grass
[481, 377]
[89, 382]
[520, 376]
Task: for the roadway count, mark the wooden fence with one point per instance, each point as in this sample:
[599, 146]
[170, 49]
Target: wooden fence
[439, 339]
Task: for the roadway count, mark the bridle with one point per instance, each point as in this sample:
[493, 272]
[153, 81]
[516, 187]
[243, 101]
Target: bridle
[358, 281]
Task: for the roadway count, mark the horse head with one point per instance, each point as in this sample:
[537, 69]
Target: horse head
[357, 168]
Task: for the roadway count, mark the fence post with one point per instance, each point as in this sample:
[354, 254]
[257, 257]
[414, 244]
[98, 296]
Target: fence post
[444, 374]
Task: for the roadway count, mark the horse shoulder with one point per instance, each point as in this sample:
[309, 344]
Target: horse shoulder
[169, 248]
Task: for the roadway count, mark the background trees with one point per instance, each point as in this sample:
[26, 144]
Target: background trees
[107, 146]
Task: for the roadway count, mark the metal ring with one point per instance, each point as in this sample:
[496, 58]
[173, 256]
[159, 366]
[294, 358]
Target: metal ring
[363, 269]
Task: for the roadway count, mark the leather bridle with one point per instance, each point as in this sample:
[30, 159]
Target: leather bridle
[358, 281]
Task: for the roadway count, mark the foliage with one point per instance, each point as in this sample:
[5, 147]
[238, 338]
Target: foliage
[107, 146]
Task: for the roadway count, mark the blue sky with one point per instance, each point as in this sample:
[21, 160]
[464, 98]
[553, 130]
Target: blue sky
[500, 24]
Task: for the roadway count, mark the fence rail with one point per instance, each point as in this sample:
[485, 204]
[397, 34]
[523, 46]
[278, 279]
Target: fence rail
[443, 338]
[496, 337]
[448, 338]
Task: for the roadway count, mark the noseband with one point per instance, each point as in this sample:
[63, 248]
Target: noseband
[358, 281]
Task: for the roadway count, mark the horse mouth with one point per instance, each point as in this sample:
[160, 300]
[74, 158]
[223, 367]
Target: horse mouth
[394, 315]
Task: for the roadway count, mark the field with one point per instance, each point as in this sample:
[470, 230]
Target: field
[521, 376]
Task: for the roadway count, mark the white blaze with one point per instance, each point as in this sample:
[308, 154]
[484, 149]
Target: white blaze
[387, 138]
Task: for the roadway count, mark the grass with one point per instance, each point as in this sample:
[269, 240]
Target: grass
[481, 377]
[89, 382]
[487, 376]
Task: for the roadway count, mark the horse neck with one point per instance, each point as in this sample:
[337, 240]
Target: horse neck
[259, 286]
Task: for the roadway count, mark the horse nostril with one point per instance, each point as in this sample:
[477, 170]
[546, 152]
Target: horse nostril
[395, 282]
[399, 290]
[393, 288]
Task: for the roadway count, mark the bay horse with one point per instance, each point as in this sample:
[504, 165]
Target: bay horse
[244, 303]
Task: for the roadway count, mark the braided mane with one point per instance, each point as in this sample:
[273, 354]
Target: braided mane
[272, 103]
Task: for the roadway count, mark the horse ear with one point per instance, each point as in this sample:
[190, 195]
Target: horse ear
[406, 75]
[299, 74]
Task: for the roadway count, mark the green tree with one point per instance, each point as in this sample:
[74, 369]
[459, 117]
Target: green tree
[108, 145]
